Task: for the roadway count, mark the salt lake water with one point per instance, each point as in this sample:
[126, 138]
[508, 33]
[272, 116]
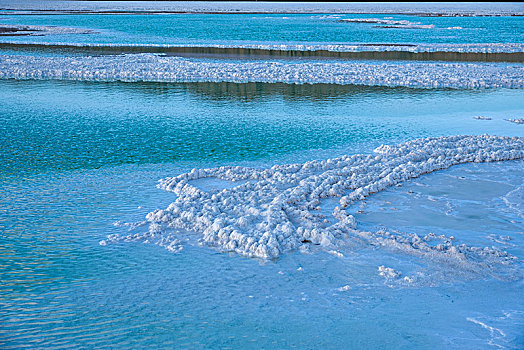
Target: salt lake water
[269, 28]
[81, 160]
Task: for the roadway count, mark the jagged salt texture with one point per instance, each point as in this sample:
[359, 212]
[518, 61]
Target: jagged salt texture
[388, 272]
[278, 209]
[151, 67]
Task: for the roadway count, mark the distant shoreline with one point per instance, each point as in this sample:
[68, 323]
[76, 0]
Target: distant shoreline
[225, 12]
[262, 7]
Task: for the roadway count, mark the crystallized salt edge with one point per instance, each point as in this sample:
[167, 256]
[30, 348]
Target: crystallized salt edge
[278, 209]
[155, 68]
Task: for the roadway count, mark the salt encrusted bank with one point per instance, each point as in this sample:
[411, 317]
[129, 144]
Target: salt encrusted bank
[277, 210]
[40, 30]
[330, 47]
[152, 67]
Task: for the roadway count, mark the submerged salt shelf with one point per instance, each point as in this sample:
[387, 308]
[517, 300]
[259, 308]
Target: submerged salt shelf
[274, 211]
[150, 67]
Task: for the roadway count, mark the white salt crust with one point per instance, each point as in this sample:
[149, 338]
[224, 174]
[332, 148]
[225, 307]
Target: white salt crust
[277, 210]
[151, 67]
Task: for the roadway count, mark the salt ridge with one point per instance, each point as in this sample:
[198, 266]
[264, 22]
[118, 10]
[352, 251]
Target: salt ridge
[277, 210]
[333, 47]
[151, 67]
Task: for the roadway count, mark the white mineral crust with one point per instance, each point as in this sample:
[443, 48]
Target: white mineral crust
[276, 210]
[151, 67]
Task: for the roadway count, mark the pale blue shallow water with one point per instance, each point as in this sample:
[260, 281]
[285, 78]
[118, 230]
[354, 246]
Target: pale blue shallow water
[60, 288]
[79, 156]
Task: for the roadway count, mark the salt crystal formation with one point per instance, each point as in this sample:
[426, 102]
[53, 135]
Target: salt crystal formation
[388, 272]
[151, 67]
[277, 210]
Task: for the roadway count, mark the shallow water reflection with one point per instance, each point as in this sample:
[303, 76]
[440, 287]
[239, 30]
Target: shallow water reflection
[50, 125]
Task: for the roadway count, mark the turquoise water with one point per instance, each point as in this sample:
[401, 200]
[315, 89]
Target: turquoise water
[80, 157]
[267, 28]
[56, 126]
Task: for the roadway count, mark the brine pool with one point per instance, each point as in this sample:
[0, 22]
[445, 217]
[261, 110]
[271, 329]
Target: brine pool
[78, 157]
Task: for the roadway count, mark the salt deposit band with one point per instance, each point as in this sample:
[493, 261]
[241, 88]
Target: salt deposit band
[397, 53]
